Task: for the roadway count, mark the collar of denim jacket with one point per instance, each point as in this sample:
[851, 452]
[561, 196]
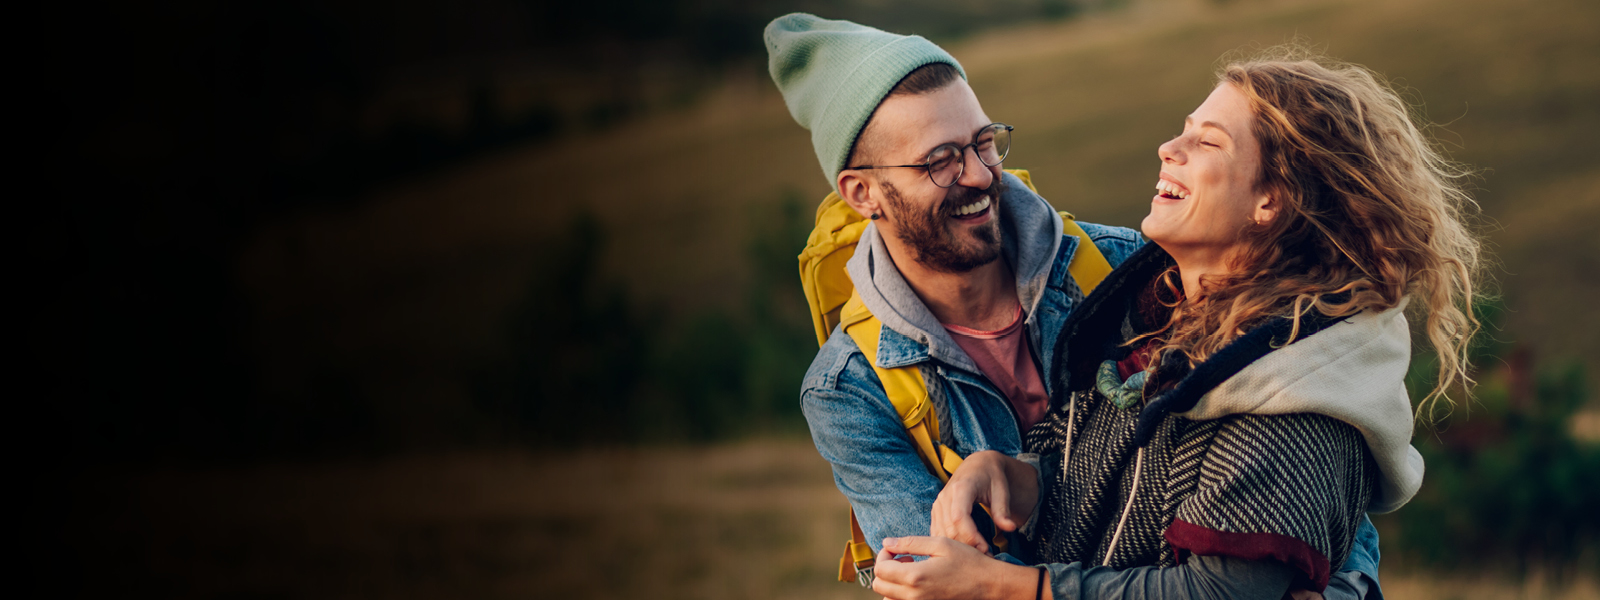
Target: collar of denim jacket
[1030, 238]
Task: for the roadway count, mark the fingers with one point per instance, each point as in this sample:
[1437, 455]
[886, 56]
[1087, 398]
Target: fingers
[897, 578]
[893, 590]
[951, 516]
[950, 571]
[1304, 595]
[1000, 505]
[971, 484]
[888, 579]
[961, 528]
[920, 545]
[969, 535]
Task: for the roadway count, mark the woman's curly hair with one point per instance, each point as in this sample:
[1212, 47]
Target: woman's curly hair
[1371, 213]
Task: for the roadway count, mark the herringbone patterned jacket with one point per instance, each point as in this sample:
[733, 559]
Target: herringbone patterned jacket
[1268, 450]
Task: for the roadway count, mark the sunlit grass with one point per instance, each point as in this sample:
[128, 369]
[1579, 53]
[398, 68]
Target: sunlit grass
[749, 520]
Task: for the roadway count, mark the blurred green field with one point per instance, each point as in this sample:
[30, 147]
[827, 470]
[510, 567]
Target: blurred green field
[748, 520]
[409, 291]
[382, 326]
[407, 295]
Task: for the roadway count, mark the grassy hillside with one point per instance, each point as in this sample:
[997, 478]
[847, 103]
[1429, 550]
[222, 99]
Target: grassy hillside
[752, 520]
[402, 296]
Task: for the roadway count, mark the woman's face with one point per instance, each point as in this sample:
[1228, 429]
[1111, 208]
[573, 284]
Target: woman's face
[1206, 195]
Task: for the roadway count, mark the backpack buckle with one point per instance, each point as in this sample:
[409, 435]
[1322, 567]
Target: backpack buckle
[865, 577]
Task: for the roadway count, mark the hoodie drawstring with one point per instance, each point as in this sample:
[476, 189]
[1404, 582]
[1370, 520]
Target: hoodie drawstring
[1138, 465]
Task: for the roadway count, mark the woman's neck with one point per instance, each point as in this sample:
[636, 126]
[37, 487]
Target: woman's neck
[1195, 264]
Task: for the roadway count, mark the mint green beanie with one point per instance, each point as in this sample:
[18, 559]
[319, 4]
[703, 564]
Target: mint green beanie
[833, 74]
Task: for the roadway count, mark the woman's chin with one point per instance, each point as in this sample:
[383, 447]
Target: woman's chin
[1153, 227]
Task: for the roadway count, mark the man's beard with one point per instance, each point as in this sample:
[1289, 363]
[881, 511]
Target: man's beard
[928, 234]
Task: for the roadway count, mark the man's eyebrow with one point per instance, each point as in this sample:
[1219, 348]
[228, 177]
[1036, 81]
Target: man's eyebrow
[975, 135]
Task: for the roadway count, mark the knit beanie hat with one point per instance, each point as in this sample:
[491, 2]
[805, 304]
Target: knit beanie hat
[833, 74]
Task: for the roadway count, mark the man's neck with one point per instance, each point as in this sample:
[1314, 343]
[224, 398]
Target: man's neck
[984, 298]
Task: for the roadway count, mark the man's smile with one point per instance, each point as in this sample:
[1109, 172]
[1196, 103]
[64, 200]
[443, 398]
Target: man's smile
[972, 212]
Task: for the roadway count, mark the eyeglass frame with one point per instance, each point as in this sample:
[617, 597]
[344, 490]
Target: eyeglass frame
[962, 149]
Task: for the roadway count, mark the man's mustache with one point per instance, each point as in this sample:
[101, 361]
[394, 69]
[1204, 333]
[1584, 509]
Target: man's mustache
[960, 196]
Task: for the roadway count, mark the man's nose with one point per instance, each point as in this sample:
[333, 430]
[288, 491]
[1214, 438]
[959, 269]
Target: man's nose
[974, 174]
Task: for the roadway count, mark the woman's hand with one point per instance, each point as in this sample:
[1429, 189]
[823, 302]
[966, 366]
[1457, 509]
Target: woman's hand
[952, 570]
[1009, 487]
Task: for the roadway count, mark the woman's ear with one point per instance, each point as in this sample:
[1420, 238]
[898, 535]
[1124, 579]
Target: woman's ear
[856, 190]
[1266, 210]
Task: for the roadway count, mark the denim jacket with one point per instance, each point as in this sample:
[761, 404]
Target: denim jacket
[854, 425]
[858, 431]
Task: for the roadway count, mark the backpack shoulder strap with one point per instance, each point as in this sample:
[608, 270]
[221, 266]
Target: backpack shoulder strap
[908, 392]
[904, 385]
[1088, 267]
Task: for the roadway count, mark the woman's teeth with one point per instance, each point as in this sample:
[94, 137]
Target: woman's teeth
[1170, 189]
[981, 204]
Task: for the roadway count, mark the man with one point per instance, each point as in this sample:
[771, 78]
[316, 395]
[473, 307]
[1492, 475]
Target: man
[965, 267]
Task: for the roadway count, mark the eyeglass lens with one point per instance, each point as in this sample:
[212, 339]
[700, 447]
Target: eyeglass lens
[947, 163]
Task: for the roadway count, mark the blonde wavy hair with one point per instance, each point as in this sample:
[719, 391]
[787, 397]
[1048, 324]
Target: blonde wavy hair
[1371, 212]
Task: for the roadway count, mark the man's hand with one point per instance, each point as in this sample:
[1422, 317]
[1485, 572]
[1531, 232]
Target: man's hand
[1009, 487]
[952, 570]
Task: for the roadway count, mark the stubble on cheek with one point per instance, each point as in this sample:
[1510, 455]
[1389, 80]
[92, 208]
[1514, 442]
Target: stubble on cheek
[927, 233]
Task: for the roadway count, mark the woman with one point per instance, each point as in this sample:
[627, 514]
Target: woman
[1236, 399]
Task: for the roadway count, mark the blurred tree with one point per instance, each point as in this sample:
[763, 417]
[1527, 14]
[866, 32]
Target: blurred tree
[586, 367]
[735, 375]
[1507, 485]
[782, 343]
[577, 355]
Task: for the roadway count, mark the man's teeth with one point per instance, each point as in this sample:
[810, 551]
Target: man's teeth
[1170, 189]
[981, 204]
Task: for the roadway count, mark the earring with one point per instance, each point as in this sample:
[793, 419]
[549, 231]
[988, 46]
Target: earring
[874, 216]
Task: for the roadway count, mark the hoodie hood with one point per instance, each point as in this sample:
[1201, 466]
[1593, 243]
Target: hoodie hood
[1030, 236]
[1354, 371]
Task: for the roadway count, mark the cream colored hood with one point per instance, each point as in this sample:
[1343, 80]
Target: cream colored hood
[1353, 371]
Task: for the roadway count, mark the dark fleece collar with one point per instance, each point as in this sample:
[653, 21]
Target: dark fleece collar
[1094, 332]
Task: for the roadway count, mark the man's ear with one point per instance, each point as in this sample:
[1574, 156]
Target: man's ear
[856, 190]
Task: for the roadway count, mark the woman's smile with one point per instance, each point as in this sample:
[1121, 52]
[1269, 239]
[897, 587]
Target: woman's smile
[1168, 188]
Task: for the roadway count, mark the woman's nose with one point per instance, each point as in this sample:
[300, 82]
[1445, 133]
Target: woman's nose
[1172, 151]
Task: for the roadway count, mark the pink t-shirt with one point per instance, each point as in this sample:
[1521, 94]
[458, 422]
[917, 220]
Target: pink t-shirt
[1004, 357]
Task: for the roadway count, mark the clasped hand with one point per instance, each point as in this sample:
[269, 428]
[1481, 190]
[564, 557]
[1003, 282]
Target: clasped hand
[1007, 486]
[1010, 488]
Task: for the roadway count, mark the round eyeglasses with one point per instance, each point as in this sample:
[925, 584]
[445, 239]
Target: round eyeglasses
[947, 163]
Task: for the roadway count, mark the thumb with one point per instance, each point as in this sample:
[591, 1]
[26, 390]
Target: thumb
[919, 545]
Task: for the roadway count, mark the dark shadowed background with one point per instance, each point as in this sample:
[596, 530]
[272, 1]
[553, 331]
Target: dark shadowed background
[495, 298]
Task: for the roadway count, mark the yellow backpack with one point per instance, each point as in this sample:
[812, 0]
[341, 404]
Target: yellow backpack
[833, 300]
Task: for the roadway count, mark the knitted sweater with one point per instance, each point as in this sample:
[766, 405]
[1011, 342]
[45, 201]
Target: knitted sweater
[1272, 449]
